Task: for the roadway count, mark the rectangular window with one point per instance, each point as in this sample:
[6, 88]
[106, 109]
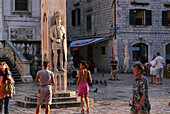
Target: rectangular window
[140, 17]
[89, 22]
[76, 17]
[103, 51]
[21, 5]
[165, 18]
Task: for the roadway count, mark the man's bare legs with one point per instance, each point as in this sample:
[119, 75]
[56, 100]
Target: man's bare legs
[47, 109]
[38, 109]
[151, 78]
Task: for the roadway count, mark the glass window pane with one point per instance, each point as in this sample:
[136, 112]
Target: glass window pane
[139, 17]
[21, 5]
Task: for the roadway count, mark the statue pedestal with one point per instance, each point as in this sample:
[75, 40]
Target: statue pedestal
[60, 81]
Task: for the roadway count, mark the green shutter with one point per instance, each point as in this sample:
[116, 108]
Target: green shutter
[88, 22]
[132, 17]
[148, 17]
[73, 17]
[79, 16]
[164, 18]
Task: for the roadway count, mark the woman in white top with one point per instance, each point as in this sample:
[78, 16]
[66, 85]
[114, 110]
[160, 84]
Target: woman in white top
[153, 69]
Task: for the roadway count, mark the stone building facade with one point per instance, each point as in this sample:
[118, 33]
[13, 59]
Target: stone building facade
[143, 24]
[21, 19]
[99, 18]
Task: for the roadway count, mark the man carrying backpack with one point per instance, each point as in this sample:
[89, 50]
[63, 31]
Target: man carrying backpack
[46, 78]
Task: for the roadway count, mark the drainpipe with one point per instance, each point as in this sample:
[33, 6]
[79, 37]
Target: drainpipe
[115, 17]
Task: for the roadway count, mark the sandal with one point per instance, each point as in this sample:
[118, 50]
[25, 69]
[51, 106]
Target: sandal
[88, 110]
[82, 111]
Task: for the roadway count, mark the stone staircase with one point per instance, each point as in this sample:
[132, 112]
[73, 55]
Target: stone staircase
[15, 73]
[60, 100]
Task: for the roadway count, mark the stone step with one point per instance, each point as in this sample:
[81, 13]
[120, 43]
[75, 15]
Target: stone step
[54, 99]
[15, 74]
[14, 71]
[16, 77]
[27, 104]
[17, 80]
[62, 94]
[3, 59]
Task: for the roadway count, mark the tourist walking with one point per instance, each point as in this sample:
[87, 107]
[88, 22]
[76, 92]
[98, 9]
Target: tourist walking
[83, 85]
[6, 80]
[159, 61]
[153, 69]
[140, 101]
[46, 78]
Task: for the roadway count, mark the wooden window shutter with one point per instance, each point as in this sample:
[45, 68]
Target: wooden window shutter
[88, 22]
[148, 17]
[73, 17]
[79, 16]
[132, 17]
[164, 18]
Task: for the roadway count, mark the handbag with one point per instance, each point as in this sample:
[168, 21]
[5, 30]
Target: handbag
[89, 82]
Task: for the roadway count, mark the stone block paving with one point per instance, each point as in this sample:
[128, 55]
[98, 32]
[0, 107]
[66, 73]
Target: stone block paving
[112, 98]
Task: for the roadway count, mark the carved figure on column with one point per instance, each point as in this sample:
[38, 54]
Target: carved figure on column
[57, 35]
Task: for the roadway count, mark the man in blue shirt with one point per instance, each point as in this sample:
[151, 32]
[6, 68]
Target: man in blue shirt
[140, 101]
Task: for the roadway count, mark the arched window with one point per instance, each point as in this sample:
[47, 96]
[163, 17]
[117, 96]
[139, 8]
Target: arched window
[140, 52]
[21, 5]
[168, 54]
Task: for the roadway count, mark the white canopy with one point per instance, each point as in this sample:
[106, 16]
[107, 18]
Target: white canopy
[79, 43]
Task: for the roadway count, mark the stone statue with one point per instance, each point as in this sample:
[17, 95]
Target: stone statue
[57, 35]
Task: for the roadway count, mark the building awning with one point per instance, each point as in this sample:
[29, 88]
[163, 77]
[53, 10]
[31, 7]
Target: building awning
[79, 43]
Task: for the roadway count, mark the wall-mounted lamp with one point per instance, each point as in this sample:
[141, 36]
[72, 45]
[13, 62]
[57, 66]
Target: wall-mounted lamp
[112, 30]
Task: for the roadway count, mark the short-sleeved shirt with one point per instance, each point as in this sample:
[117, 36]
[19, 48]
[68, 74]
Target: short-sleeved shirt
[45, 77]
[159, 62]
[114, 67]
[140, 88]
[152, 68]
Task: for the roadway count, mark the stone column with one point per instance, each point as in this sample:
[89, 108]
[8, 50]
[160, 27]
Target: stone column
[115, 50]
[48, 10]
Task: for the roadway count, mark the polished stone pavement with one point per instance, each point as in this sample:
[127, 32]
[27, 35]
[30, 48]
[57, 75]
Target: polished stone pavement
[112, 98]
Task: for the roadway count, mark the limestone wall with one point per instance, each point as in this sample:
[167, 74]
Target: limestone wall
[101, 17]
[155, 36]
[17, 21]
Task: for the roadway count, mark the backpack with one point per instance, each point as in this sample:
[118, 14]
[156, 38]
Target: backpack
[8, 88]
